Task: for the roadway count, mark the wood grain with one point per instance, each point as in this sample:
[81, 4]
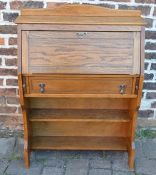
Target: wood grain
[25, 49]
[87, 123]
[19, 43]
[89, 96]
[136, 53]
[79, 27]
[79, 143]
[142, 50]
[81, 52]
[80, 85]
[79, 103]
[97, 115]
[94, 20]
[79, 10]
[80, 128]
[80, 14]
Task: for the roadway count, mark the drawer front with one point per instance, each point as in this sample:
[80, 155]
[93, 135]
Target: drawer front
[81, 52]
[80, 85]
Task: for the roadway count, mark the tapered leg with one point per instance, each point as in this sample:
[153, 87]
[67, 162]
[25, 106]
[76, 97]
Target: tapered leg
[26, 156]
[131, 156]
[24, 106]
[133, 108]
[131, 144]
[26, 140]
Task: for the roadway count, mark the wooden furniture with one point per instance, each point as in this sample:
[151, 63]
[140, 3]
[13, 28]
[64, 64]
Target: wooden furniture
[80, 71]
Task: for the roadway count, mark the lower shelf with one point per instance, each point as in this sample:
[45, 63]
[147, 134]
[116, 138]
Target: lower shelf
[79, 143]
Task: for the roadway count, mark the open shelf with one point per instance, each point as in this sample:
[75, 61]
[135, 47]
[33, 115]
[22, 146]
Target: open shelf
[79, 143]
[78, 115]
[79, 122]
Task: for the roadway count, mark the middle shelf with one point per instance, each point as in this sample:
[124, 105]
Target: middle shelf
[79, 115]
[79, 122]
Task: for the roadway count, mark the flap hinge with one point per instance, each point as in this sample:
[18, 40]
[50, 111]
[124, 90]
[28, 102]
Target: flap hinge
[24, 84]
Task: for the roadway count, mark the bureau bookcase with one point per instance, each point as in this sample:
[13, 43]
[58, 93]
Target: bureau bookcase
[80, 71]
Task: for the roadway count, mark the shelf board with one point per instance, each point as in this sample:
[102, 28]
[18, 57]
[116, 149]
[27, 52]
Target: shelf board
[86, 115]
[39, 95]
[79, 143]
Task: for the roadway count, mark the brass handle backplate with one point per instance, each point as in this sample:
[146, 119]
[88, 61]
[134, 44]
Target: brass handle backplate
[42, 87]
[122, 88]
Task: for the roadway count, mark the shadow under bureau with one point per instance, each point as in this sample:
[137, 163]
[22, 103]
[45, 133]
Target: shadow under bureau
[80, 70]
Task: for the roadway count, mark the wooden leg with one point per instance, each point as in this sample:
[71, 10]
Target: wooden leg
[26, 140]
[131, 144]
[24, 105]
[26, 157]
[133, 108]
[131, 156]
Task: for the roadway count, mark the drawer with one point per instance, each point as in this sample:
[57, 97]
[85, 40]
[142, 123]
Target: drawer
[80, 85]
[74, 52]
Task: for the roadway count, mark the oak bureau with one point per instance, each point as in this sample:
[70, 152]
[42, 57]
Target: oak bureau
[80, 70]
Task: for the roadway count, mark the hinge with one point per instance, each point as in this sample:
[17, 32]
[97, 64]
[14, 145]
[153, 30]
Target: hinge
[137, 86]
[24, 84]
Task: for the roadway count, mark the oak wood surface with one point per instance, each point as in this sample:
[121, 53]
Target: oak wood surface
[136, 53]
[40, 115]
[79, 10]
[79, 128]
[24, 106]
[78, 85]
[81, 52]
[25, 49]
[142, 50]
[129, 21]
[19, 43]
[69, 96]
[79, 103]
[133, 110]
[79, 143]
[35, 75]
[87, 123]
[80, 14]
[72, 27]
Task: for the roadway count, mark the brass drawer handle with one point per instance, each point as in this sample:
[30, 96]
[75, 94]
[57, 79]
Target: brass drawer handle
[81, 34]
[42, 87]
[122, 88]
